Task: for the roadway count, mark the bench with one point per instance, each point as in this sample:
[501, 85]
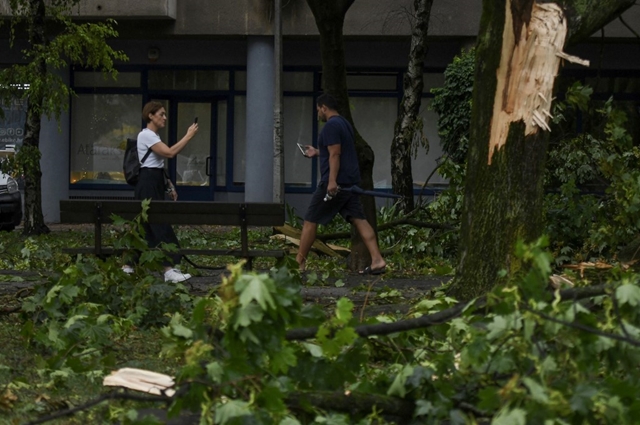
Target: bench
[98, 212]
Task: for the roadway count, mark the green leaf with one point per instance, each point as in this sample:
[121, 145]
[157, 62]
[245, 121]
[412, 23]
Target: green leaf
[313, 349]
[72, 320]
[344, 310]
[283, 360]
[628, 294]
[289, 421]
[423, 407]
[68, 293]
[510, 417]
[255, 289]
[538, 392]
[215, 371]
[581, 400]
[489, 398]
[231, 409]
[178, 329]
[398, 387]
[497, 327]
[248, 315]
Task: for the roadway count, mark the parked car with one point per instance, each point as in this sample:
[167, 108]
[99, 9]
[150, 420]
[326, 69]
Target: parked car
[10, 196]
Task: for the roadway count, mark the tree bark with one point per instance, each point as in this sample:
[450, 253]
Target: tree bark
[30, 150]
[518, 42]
[407, 123]
[329, 17]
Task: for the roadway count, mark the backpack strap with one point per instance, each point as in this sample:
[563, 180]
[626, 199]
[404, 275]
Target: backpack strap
[146, 155]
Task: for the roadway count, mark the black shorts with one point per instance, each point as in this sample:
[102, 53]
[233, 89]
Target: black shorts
[345, 203]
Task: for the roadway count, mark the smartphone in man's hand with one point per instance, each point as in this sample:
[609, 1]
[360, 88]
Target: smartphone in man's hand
[302, 149]
[195, 120]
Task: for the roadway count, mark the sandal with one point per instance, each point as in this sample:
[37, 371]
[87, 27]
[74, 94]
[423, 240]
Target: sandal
[369, 271]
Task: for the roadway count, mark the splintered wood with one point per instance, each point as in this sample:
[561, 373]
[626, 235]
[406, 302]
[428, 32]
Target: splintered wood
[141, 380]
[528, 68]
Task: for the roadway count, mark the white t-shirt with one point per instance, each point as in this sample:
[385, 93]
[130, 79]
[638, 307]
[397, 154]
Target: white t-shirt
[146, 139]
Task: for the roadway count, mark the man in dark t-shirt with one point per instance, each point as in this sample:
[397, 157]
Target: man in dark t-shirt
[338, 169]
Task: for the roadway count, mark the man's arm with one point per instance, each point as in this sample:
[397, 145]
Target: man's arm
[334, 167]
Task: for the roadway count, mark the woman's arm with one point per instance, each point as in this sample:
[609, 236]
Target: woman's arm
[171, 151]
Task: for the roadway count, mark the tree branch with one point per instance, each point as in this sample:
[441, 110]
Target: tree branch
[580, 326]
[91, 403]
[351, 402]
[571, 294]
[628, 27]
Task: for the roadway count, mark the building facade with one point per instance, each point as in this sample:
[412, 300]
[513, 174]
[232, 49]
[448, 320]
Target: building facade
[215, 61]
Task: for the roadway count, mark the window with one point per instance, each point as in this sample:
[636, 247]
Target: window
[12, 125]
[375, 118]
[298, 128]
[101, 124]
[167, 79]
[426, 162]
[99, 79]
[239, 138]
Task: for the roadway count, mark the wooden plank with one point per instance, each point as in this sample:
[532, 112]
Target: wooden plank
[216, 252]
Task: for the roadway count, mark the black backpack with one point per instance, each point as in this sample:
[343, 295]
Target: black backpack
[131, 163]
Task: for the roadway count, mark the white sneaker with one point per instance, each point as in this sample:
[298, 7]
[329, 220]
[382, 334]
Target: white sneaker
[127, 269]
[175, 276]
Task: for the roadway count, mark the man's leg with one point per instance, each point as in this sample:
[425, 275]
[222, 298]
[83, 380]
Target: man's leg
[307, 238]
[369, 238]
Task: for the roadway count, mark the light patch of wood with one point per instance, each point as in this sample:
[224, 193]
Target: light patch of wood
[528, 69]
[141, 380]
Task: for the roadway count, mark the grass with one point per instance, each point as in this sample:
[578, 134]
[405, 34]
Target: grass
[26, 391]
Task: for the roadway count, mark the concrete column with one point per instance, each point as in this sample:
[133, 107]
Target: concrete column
[54, 163]
[259, 150]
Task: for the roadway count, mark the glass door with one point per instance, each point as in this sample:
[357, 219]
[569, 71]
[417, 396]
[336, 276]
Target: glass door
[191, 168]
[200, 165]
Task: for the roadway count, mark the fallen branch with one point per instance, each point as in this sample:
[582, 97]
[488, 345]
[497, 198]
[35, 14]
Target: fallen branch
[9, 310]
[571, 294]
[351, 402]
[91, 403]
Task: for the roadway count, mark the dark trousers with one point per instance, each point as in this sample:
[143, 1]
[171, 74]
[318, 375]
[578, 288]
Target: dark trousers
[151, 186]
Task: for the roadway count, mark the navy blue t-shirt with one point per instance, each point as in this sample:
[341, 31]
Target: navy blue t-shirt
[338, 130]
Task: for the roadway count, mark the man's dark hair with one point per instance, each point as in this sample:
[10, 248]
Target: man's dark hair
[328, 101]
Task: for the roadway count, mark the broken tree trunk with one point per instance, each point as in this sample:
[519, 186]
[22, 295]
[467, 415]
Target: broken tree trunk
[519, 51]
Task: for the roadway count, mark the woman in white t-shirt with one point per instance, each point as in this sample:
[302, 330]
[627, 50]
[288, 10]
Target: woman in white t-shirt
[151, 183]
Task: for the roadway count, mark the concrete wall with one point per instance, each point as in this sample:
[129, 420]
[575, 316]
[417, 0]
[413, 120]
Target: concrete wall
[368, 18]
[376, 18]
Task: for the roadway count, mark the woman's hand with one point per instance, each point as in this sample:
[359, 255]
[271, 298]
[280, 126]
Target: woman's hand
[172, 192]
[192, 130]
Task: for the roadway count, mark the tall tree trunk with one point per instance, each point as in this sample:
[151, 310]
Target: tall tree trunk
[517, 61]
[30, 150]
[407, 123]
[329, 17]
